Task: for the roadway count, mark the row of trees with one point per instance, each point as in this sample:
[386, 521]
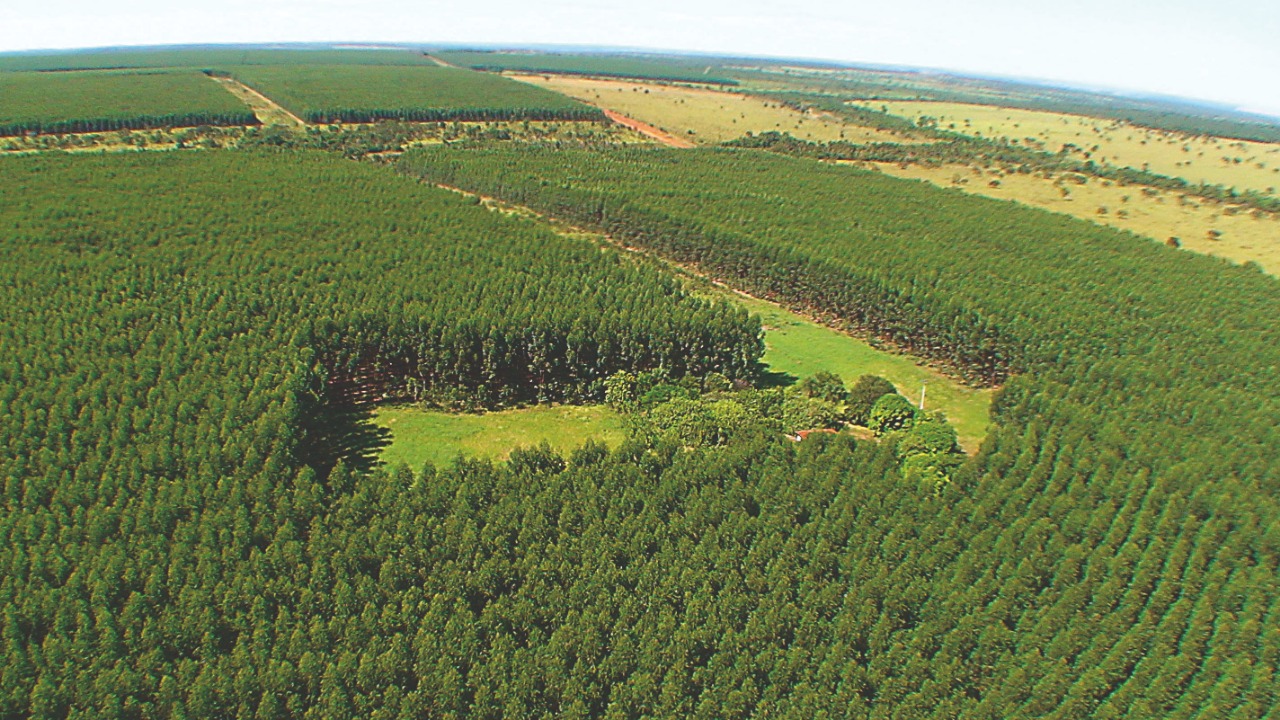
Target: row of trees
[135, 122]
[496, 114]
[978, 151]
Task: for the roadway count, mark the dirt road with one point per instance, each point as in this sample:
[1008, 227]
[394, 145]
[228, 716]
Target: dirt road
[268, 112]
[648, 130]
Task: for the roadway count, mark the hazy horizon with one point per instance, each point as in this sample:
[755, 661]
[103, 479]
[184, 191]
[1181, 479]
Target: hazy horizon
[1224, 55]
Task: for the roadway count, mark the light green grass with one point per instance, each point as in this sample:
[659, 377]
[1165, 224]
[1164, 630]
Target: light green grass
[800, 347]
[419, 436]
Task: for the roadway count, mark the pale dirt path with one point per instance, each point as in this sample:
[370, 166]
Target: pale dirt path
[267, 110]
[442, 62]
[648, 130]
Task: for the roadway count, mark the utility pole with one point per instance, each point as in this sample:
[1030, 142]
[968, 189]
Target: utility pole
[923, 386]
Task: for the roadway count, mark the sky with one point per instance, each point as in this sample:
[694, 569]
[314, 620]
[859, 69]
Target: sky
[1221, 50]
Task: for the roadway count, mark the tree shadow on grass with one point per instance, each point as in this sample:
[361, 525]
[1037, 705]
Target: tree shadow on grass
[343, 431]
[775, 379]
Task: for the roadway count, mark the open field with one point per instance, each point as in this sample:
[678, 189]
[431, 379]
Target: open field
[94, 101]
[1240, 164]
[348, 93]
[1243, 235]
[419, 436]
[703, 115]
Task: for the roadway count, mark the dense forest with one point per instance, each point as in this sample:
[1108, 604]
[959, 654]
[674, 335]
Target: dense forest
[363, 94]
[180, 331]
[1120, 522]
[96, 102]
[191, 529]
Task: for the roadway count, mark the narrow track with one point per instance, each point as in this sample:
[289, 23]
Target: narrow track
[266, 109]
[648, 130]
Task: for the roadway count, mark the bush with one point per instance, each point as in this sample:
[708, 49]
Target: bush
[927, 437]
[891, 412]
[866, 391]
[825, 386]
[805, 413]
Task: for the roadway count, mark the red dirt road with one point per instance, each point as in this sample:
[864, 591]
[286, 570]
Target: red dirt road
[648, 130]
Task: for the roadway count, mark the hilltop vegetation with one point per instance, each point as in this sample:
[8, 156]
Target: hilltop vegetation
[94, 102]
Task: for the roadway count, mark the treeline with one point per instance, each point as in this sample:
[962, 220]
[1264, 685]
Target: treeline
[668, 69]
[1112, 550]
[497, 114]
[779, 271]
[138, 122]
[969, 151]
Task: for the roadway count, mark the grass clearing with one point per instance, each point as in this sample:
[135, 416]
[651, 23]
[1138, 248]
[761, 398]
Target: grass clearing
[704, 115]
[801, 347]
[1241, 164]
[1242, 235]
[419, 436]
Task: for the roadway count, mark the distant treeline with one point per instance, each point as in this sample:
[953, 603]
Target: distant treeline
[961, 149]
[138, 122]
[688, 70]
[360, 94]
[497, 114]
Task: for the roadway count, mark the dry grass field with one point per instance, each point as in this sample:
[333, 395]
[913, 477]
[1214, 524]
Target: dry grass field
[1233, 163]
[1241, 235]
[704, 115]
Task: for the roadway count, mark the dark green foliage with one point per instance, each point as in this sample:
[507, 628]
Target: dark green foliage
[1112, 551]
[362, 94]
[825, 386]
[928, 437]
[173, 326]
[204, 58]
[805, 413]
[891, 412]
[96, 102]
[644, 67]
[809, 255]
[863, 396]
